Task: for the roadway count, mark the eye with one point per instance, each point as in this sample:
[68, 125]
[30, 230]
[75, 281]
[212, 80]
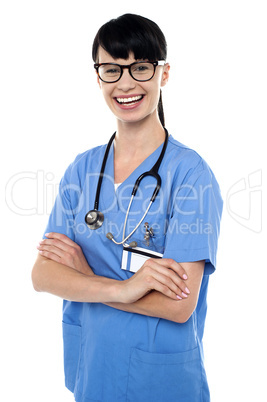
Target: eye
[140, 68]
[112, 71]
[109, 70]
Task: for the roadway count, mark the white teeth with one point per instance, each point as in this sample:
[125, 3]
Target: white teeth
[129, 100]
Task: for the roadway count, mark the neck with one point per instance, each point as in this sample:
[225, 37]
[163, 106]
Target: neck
[139, 139]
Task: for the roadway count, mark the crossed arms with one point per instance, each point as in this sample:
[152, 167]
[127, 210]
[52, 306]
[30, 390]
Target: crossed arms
[161, 288]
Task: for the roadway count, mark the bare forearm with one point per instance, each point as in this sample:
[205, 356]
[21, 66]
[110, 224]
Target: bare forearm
[158, 289]
[155, 304]
[69, 284]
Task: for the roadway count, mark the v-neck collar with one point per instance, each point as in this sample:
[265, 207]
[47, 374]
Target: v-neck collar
[108, 196]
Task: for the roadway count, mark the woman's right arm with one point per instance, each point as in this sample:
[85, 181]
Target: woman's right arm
[69, 284]
[61, 269]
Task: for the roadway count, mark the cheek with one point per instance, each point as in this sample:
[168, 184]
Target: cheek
[154, 94]
[106, 93]
[155, 85]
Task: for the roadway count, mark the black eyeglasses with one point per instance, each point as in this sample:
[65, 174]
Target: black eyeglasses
[139, 71]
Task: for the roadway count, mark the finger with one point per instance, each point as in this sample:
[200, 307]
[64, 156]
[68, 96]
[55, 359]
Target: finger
[61, 237]
[164, 289]
[51, 249]
[170, 284]
[174, 265]
[50, 255]
[56, 243]
[159, 278]
[170, 276]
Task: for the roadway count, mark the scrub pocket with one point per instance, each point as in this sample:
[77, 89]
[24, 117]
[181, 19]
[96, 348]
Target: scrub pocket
[72, 347]
[164, 377]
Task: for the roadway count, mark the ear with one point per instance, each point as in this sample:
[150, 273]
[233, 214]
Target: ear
[165, 74]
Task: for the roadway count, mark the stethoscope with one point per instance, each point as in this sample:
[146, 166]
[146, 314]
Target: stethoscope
[94, 218]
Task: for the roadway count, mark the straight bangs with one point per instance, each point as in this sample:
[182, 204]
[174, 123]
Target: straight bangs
[131, 34]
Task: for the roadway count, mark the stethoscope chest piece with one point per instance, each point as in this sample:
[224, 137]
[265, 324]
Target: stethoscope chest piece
[94, 219]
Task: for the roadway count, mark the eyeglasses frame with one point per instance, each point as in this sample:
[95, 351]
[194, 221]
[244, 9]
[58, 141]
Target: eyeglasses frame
[128, 66]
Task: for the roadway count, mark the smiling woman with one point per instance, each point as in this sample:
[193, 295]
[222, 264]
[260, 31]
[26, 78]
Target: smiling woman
[140, 37]
[137, 91]
[134, 309]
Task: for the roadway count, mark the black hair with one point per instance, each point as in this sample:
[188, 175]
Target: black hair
[132, 33]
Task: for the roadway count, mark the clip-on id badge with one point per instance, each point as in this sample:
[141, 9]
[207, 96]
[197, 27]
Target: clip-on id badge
[134, 258]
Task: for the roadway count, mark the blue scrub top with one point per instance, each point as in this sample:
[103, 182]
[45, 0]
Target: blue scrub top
[112, 355]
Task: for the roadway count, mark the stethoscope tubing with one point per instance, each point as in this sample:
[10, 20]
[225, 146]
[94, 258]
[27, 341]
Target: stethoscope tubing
[94, 218]
[102, 170]
[124, 239]
[142, 176]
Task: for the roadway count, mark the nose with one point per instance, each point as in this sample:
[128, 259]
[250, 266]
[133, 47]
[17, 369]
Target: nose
[126, 82]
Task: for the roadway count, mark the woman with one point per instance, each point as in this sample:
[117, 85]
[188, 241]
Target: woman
[133, 273]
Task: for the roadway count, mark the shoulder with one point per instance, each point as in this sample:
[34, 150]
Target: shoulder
[185, 160]
[90, 154]
[85, 162]
[192, 176]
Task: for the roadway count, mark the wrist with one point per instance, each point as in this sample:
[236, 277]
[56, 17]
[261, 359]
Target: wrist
[87, 272]
[85, 269]
[104, 290]
[117, 292]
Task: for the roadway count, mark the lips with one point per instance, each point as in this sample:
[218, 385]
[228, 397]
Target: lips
[129, 101]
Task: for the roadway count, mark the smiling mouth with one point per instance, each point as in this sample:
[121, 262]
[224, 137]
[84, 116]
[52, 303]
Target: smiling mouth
[129, 101]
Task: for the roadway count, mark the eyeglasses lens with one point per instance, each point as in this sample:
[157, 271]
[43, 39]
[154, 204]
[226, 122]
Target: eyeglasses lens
[139, 71]
[109, 72]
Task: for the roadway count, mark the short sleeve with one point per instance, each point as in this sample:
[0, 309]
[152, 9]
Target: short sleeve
[194, 225]
[62, 219]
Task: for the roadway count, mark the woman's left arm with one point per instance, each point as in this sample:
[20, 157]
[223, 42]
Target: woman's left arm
[154, 304]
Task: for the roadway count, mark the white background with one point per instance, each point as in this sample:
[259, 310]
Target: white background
[51, 109]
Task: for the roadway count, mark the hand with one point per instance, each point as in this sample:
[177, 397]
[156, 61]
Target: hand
[62, 249]
[163, 275]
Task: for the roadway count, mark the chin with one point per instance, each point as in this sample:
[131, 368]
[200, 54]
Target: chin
[133, 120]
[134, 116]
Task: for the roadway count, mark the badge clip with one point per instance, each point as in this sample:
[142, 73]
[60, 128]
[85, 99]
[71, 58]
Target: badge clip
[148, 234]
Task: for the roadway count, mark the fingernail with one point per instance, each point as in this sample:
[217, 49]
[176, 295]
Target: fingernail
[187, 290]
[185, 276]
[184, 294]
[179, 297]
[47, 234]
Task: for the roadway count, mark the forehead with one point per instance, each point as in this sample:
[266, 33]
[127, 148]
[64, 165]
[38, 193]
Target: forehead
[105, 57]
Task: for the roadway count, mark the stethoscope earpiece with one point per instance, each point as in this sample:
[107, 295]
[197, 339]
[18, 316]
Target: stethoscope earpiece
[111, 237]
[133, 244]
[94, 219]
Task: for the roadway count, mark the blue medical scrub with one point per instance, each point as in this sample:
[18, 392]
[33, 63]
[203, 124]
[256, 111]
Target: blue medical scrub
[112, 355]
